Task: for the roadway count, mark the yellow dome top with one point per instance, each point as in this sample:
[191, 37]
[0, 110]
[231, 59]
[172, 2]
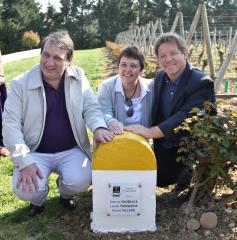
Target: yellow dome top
[127, 151]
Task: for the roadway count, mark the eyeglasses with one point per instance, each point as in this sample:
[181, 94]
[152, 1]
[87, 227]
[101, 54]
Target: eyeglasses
[130, 110]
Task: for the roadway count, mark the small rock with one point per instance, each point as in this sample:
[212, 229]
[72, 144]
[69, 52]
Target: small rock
[193, 224]
[195, 236]
[231, 225]
[82, 225]
[234, 214]
[234, 229]
[86, 232]
[226, 219]
[129, 237]
[208, 220]
[192, 215]
[234, 100]
[222, 235]
[66, 218]
[228, 211]
[207, 233]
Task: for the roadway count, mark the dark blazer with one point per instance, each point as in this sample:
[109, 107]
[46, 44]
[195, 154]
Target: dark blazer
[194, 89]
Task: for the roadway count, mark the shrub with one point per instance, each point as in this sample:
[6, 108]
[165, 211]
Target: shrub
[210, 149]
[151, 68]
[30, 39]
[114, 50]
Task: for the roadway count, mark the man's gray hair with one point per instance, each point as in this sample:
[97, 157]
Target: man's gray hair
[62, 40]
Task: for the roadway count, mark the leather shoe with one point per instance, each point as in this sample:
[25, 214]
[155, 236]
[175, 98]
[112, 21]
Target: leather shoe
[69, 203]
[35, 210]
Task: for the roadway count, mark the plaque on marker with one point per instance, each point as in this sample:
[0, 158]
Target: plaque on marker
[124, 198]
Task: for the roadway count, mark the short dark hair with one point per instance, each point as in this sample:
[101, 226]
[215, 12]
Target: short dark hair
[62, 40]
[171, 37]
[132, 52]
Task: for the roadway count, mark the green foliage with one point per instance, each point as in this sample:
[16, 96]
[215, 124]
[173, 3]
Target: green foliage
[9, 37]
[51, 21]
[14, 234]
[30, 39]
[54, 234]
[113, 50]
[91, 23]
[113, 17]
[210, 148]
[16, 19]
[34, 227]
[151, 68]
[146, 11]
[94, 63]
[6, 168]
[14, 69]
[78, 18]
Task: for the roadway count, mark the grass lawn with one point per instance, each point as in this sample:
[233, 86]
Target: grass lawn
[13, 221]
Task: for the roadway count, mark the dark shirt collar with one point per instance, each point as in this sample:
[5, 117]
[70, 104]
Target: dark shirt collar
[46, 84]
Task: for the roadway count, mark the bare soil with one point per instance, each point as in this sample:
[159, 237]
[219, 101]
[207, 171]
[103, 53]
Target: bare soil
[170, 219]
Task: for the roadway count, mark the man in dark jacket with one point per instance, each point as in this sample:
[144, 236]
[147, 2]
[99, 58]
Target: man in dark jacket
[178, 88]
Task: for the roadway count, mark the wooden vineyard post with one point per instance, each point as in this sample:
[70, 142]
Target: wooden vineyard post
[194, 25]
[231, 52]
[181, 25]
[208, 42]
[214, 41]
[175, 23]
[160, 26]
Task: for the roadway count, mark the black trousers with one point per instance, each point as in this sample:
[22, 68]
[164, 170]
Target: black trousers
[168, 169]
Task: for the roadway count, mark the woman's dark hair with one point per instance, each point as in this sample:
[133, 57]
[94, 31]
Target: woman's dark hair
[132, 52]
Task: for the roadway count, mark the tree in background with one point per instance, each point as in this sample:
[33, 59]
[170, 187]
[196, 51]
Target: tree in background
[17, 17]
[147, 10]
[77, 18]
[51, 21]
[113, 17]
[92, 22]
[30, 39]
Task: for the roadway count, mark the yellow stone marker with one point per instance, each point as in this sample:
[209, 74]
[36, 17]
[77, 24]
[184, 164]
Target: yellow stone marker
[124, 183]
